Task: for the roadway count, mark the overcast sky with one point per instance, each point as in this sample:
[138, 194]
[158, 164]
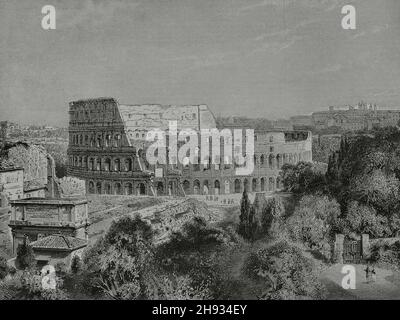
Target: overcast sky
[261, 58]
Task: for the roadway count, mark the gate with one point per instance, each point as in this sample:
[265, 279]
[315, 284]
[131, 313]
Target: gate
[352, 252]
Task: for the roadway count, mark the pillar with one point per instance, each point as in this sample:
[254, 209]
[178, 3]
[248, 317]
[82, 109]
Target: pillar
[365, 246]
[338, 248]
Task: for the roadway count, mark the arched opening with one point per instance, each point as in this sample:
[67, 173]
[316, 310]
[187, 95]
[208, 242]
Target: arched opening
[91, 164]
[141, 189]
[271, 184]
[254, 185]
[238, 186]
[246, 185]
[278, 183]
[91, 187]
[227, 187]
[98, 187]
[98, 164]
[117, 165]
[128, 189]
[196, 187]
[262, 160]
[205, 187]
[160, 188]
[107, 187]
[278, 161]
[107, 164]
[262, 184]
[118, 188]
[271, 161]
[128, 164]
[186, 186]
[216, 187]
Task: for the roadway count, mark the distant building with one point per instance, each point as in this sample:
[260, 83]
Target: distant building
[12, 183]
[363, 116]
[107, 148]
[38, 218]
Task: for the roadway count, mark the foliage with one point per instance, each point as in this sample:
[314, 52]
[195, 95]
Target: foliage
[76, 264]
[363, 219]
[25, 257]
[247, 225]
[302, 178]
[272, 216]
[195, 252]
[386, 255]
[284, 272]
[121, 264]
[3, 267]
[27, 285]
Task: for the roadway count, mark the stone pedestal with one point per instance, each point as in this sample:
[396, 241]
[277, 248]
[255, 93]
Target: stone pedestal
[365, 247]
[338, 248]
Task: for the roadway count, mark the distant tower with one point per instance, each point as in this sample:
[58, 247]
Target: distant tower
[3, 133]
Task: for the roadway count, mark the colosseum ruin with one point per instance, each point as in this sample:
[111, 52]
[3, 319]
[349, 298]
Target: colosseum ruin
[107, 147]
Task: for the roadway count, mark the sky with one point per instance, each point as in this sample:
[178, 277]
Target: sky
[261, 58]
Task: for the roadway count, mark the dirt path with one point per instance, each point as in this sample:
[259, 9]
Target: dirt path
[386, 287]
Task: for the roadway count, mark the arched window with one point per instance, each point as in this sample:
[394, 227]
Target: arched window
[107, 164]
[262, 160]
[128, 189]
[271, 161]
[98, 187]
[107, 187]
[128, 164]
[117, 165]
[262, 184]
[118, 188]
[91, 187]
[238, 186]
[271, 184]
[216, 187]
[246, 185]
[160, 188]
[254, 185]
[141, 189]
[196, 187]
[186, 186]
[205, 187]
[98, 164]
[227, 187]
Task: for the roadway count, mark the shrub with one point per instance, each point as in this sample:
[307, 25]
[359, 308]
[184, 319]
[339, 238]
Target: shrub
[284, 272]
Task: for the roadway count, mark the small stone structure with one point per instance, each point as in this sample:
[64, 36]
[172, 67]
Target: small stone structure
[339, 247]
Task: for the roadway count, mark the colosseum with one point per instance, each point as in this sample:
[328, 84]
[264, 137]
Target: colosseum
[107, 148]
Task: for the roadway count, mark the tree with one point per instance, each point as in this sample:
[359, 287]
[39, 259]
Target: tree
[282, 272]
[122, 262]
[363, 219]
[272, 215]
[76, 264]
[195, 252]
[25, 257]
[247, 224]
[3, 267]
[314, 223]
[377, 190]
[302, 178]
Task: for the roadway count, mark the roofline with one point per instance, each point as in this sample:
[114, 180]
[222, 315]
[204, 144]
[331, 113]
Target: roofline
[57, 249]
[12, 169]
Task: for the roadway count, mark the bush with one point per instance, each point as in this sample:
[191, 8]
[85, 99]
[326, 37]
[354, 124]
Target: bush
[25, 257]
[284, 272]
[76, 264]
[3, 267]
